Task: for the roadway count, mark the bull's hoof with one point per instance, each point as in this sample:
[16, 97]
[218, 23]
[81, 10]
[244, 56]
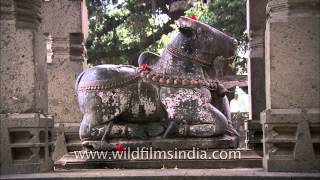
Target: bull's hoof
[154, 129]
[172, 130]
[136, 132]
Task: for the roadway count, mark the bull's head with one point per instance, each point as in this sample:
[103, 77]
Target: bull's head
[200, 42]
[197, 42]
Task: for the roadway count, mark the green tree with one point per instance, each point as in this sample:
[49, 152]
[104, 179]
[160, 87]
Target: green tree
[121, 29]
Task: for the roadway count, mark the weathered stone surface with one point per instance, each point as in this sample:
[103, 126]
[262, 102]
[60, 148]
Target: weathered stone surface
[168, 96]
[67, 23]
[71, 133]
[256, 74]
[60, 143]
[249, 159]
[26, 143]
[225, 141]
[256, 21]
[291, 120]
[239, 122]
[22, 68]
[26, 133]
[255, 135]
[170, 174]
[291, 140]
[292, 55]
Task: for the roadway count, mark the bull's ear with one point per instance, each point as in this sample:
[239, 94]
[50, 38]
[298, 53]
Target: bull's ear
[186, 31]
[148, 58]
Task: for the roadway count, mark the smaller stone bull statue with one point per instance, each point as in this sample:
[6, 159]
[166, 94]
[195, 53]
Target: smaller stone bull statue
[169, 96]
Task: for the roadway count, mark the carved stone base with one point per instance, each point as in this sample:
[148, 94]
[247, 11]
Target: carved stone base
[221, 142]
[291, 140]
[26, 143]
[249, 159]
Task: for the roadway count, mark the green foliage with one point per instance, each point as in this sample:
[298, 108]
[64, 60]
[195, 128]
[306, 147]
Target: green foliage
[120, 31]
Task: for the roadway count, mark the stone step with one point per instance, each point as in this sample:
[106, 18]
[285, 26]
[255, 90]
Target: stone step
[219, 142]
[248, 159]
[165, 174]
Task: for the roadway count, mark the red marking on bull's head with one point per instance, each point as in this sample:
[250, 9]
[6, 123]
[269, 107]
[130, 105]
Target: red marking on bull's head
[194, 17]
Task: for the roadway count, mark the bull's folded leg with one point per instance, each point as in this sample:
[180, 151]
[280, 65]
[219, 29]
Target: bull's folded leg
[185, 130]
[154, 129]
[218, 126]
[131, 131]
[201, 130]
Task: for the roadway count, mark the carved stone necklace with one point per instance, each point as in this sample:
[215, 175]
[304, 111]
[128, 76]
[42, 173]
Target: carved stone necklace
[194, 58]
[165, 80]
[145, 73]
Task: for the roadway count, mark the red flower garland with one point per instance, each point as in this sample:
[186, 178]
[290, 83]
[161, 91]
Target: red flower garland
[145, 67]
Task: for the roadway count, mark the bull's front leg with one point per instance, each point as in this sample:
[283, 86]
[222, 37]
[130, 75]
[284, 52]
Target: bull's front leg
[221, 102]
[204, 129]
[191, 113]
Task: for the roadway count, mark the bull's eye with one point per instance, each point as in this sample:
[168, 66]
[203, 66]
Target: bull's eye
[186, 31]
[199, 30]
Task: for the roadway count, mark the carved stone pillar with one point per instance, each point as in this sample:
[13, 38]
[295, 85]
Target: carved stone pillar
[291, 121]
[256, 17]
[65, 23]
[25, 129]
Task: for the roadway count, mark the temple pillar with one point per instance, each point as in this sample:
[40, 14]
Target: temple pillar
[291, 121]
[65, 24]
[256, 18]
[25, 128]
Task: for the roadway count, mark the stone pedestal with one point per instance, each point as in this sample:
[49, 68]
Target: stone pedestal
[222, 142]
[156, 159]
[291, 121]
[26, 143]
[25, 130]
[291, 139]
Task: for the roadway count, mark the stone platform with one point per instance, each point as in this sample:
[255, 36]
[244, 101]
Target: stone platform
[166, 174]
[220, 142]
[248, 159]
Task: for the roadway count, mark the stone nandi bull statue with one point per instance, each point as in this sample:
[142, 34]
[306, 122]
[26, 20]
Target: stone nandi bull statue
[172, 96]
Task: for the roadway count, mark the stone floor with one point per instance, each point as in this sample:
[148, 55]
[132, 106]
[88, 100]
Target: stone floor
[166, 174]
